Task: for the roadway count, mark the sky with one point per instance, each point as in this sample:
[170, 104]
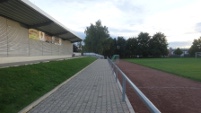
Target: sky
[179, 20]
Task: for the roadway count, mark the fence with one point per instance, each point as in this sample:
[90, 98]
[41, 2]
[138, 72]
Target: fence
[143, 98]
[94, 55]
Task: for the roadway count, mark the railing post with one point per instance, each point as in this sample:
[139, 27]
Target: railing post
[113, 69]
[116, 74]
[123, 88]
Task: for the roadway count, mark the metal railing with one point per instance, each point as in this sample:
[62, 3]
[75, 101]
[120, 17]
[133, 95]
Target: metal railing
[94, 55]
[142, 97]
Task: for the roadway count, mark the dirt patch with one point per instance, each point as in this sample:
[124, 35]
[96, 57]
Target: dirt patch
[168, 92]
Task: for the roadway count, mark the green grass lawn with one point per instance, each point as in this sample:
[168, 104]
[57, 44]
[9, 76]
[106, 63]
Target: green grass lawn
[186, 67]
[19, 86]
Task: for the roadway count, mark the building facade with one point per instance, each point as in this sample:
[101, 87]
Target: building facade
[27, 32]
[16, 40]
[184, 52]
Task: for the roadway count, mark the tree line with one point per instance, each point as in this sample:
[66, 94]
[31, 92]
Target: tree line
[142, 46]
[195, 47]
[98, 40]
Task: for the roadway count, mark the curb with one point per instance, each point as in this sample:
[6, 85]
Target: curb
[16, 64]
[33, 104]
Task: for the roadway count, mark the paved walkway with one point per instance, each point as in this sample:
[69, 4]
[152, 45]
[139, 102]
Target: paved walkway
[94, 90]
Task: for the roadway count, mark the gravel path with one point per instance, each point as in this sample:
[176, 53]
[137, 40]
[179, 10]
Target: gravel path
[170, 93]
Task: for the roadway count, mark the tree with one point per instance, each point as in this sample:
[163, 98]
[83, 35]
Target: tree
[109, 50]
[143, 44]
[196, 47]
[131, 47]
[96, 38]
[121, 46]
[79, 45]
[75, 48]
[158, 45]
[178, 52]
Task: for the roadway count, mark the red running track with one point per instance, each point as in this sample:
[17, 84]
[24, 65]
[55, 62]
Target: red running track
[168, 92]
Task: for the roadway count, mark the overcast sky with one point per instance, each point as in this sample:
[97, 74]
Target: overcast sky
[179, 20]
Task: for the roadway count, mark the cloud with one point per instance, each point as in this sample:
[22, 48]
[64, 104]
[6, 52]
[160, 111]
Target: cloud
[179, 20]
[129, 7]
[126, 33]
[80, 34]
[198, 27]
[182, 44]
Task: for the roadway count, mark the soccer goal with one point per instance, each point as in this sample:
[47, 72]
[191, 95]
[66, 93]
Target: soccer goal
[198, 55]
[115, 58]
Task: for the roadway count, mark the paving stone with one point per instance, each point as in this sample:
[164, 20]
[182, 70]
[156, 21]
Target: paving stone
[94, 90]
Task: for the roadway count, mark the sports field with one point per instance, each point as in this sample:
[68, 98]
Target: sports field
[186, 67]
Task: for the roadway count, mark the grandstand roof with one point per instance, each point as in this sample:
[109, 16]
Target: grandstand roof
[31, 16]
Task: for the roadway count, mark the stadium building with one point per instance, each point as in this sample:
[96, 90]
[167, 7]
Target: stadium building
[27, 33]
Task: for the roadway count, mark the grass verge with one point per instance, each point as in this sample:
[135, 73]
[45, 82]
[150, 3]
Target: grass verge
[19, 86]
[186, 67]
